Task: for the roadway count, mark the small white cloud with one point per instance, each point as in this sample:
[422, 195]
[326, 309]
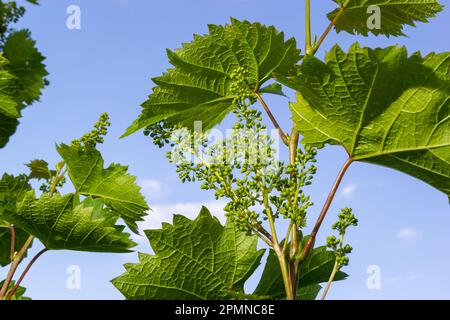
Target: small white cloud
[409, 235]
[153, 189]
[165, 212]
[348, 190]
[150, 186]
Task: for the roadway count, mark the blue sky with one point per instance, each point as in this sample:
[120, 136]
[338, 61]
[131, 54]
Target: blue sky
[107, 66]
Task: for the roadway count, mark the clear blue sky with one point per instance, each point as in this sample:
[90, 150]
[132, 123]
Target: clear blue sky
[107, 65]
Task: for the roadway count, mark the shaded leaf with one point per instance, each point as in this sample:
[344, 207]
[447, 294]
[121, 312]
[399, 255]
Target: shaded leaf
[274, 88]
[198, 87]
[7, 129]
[18, 295]
[12, 190]
[314, 270]
[197, 259]
[5, 242]
[309, 292]
[384, 107]
[39, 170]
[394, 15]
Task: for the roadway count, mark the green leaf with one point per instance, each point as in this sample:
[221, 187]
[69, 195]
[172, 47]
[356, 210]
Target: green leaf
[22, 77]
[7, 128]
[394, 14]
[19, 294]
[8, 87]
[12, 190]
[62, 223]
[26, 64]
[314, 270]
[5, 242]
[197, 259]
[198, 87]
[113, 185]
[274, 88]
[309, 293]
[382, 106]
[39, 170]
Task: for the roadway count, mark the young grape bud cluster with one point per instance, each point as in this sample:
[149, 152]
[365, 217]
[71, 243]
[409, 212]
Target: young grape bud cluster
[160, 133]
[345, 219]
[290, 199]
[96, 136]
[243, 167]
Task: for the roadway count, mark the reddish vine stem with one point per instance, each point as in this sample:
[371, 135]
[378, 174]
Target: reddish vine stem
[14, 264]
[328, 29]
[283, 136]
[24, 273]
[13, 242]
[325, 208]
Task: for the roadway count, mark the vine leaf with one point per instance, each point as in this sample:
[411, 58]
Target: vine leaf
[199, 86]
[7, 128]
[26, 64]
[309, 292]
[5, 242]
[12, 190]
[197, 259]
[315, 270]
[8, 84]
[22, 77]
[63, 223]
[384, 107]
[18, 295]
[353, 15]
[113, 185]
[273, 88]
[39, 170]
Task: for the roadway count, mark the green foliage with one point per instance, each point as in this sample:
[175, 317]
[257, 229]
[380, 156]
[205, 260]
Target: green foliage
[315, 270]
[384, 107]
[26, 64]
[19, 294]
[22, 72]
[8, 105]
[197, 259]
[353, 15]
[63, 222]
[12, 190]
[201, 86]
[39, 170]
[381, 105]
[113, 185]
[5, 242]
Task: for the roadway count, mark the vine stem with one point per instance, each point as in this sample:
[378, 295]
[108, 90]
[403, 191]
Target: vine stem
[330, 281]
[283, 136]
[325, 208]
[13, 242]
[14, 264]
[277, 248]
[328, 29]
[24, 273]
[293, 266]
[308, 49]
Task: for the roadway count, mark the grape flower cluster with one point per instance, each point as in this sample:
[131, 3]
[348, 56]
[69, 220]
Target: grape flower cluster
[345, 219]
